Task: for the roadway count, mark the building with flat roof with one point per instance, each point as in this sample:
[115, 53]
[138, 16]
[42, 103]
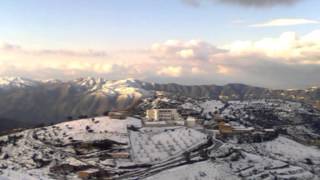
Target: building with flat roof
[162, 115]
[226, 128]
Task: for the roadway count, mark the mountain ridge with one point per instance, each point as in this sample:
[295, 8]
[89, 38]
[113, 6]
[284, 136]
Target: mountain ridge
[24, 82]
[34, 102]
[14, 79]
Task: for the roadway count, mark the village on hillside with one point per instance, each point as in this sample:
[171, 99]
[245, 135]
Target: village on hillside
[164, 139]
[141, 144]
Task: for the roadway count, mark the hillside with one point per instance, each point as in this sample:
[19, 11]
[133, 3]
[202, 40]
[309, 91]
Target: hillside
[30, 103]
[102, 144]
[271, 160]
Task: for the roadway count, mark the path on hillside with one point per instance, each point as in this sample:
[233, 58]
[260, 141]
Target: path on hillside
[168, 164]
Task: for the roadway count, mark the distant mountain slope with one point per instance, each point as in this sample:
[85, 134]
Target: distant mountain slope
[34, 102]
[229, 91]
[55, 101]
[16, 82]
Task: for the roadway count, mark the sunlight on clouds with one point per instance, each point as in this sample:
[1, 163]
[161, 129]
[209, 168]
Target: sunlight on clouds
[103, 68]
[172, 71]
[197, 71]
[288, 55]
[285, 22]
[313, 37]
[289, 47]
[223, 70]
[186, 53]
[77, 65]
[176, 49]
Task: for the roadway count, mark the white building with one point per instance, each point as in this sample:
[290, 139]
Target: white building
[191, 121]
[163, 115]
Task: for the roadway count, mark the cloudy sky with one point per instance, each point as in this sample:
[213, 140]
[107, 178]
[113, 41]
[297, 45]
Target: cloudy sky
[270, 43]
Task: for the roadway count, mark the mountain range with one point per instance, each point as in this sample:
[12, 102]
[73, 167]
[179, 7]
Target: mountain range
[26, 103]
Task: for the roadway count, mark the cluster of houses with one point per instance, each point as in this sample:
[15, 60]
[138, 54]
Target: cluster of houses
[220, 128]
[171, 117]
[243, 134]
[159, 118]
[167, 117]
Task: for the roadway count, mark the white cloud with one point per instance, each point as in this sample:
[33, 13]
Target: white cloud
[197, 71]
[224, 70]
[172, 71]
[186, 53]
[285, 22]
[288, 48]
[289, 60]
[176, 49]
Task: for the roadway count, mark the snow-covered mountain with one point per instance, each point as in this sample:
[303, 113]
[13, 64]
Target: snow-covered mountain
[35, 102]
[28, 102]
[89, 84]
[16, 82]
[129, 87]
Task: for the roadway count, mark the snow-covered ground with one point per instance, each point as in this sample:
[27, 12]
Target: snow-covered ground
[98, 128]
[18, 157]
[154, 147]
[22, 156]
[193, 106]
[211, 106]
[18, 175]
[287, 150]
[199, 171]
[30, 154]
[278, 159]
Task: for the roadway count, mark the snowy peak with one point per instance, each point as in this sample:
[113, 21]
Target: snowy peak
[129, 82]
[100, 86]
[127, 87]
[16, 82]
[51, 81]
[89, 83]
